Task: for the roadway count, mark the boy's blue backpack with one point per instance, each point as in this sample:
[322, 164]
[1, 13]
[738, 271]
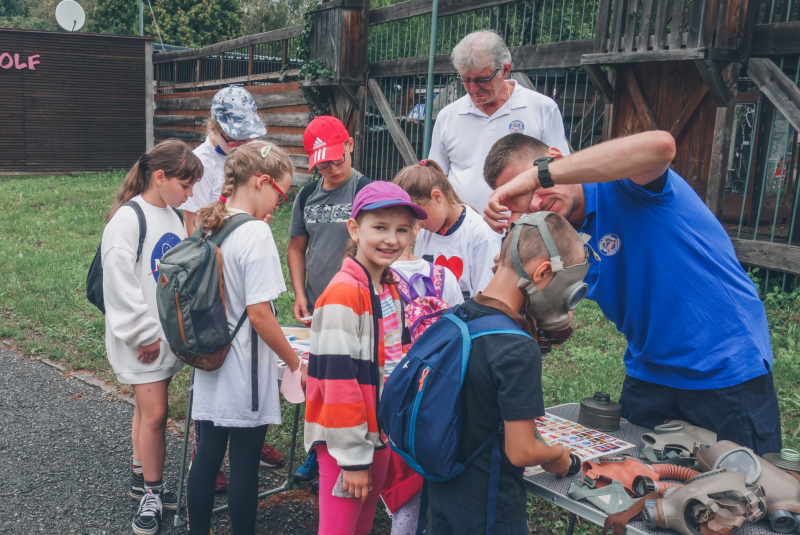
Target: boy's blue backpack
[420, 408]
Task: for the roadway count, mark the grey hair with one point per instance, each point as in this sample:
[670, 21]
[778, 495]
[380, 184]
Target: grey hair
[478, 50]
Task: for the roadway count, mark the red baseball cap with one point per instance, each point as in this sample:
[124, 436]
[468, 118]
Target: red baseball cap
[324, 140]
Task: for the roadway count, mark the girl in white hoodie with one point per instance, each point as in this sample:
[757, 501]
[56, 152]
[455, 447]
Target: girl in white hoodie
[158, 182]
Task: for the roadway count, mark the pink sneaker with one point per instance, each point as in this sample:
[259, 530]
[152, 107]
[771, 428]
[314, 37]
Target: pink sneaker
[270, 457]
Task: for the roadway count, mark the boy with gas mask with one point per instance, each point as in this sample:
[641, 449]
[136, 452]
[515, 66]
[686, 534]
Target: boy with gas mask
[539, 277]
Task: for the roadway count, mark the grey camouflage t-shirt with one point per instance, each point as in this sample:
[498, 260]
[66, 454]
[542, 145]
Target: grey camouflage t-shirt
[324, 221]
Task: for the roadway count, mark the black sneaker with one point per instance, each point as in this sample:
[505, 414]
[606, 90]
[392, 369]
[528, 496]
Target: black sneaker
[148, 518]
[137, 486]
[169, 501]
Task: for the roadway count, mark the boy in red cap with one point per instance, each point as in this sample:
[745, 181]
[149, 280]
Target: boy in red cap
[319, 224]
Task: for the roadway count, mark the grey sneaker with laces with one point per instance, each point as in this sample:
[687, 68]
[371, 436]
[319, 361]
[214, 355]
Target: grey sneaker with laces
[137, 486]
[148, 518]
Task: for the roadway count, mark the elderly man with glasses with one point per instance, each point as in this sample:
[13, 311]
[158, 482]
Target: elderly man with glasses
[492, 108]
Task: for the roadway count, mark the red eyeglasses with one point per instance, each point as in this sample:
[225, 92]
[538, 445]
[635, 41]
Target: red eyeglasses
[283, 196]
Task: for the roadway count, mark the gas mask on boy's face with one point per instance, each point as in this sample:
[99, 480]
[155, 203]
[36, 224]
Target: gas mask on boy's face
[551, 306]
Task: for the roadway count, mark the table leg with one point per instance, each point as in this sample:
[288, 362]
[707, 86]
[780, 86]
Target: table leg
[571, 526]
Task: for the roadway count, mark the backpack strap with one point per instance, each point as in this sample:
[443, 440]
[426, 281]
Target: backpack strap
[494, 324]
[305, 193]
[142, 225]
[403, 287]
[178, 213]
[231, 224]
[253, 367]
[430, 288]
[437, 277]
[362, 182]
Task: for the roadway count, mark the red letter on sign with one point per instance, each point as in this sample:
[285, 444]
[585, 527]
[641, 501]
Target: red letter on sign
[3, 57]
[19, 65]
[32, 62]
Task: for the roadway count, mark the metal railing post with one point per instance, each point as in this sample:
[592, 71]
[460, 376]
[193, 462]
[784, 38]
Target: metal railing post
[426, 140]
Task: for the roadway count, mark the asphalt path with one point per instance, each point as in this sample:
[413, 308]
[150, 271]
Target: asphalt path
[65, 457]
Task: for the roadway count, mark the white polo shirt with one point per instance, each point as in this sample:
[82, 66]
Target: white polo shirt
[463, 136]
[208, 188]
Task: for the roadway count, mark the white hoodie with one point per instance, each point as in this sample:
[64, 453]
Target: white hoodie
[129, 291]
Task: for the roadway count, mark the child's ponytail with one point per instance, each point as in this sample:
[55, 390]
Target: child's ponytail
[419, 181]
[172, 156]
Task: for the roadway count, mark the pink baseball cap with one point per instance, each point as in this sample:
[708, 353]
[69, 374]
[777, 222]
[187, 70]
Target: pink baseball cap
[377, 195]
[324, 140]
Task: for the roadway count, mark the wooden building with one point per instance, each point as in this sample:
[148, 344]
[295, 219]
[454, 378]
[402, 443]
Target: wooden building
[73, 101]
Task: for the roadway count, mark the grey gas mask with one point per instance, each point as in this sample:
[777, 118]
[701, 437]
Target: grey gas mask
[781, 488]
[551, 306]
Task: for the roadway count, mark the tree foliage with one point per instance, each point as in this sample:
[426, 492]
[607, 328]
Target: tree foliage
[266, 15]
[196, 23]
[119, 17]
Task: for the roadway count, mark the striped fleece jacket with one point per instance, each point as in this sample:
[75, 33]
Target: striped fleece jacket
[345, 368]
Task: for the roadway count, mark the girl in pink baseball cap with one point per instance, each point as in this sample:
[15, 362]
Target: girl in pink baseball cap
[357, 327]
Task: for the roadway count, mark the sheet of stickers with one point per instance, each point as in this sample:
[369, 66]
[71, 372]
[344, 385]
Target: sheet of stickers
[299, 339]
[584, 442]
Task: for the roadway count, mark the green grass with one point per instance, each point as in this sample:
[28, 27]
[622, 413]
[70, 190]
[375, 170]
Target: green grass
[50, 227]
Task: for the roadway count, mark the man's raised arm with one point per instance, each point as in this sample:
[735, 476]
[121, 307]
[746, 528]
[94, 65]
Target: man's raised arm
[640, 157]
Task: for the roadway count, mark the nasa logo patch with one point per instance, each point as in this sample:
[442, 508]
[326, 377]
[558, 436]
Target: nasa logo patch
[609, 244]
[516, 127]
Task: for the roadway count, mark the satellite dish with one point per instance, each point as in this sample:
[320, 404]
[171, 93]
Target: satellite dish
[70, 15]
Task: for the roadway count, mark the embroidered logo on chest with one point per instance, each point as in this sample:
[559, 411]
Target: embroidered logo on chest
[609, 244]
[516, 127]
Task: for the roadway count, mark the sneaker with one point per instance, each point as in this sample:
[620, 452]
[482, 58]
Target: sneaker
[308, 471]
[148, 518]
[169, 500]
[270, 457]
[137, 486]
[221, 483]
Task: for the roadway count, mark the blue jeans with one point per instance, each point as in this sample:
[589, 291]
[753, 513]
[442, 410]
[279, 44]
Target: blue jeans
[747, 413]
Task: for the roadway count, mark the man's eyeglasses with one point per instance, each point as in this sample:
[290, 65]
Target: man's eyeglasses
[283, 197]
[480, 82]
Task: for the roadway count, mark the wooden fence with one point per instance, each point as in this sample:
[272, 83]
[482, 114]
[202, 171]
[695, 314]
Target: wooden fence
[72, 102]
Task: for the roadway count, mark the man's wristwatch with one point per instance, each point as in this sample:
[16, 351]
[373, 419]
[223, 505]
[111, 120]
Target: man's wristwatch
[545, 180]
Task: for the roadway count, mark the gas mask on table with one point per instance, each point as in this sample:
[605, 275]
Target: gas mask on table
[781, 489]
[551, 307]
[675, 442]
[715, 503]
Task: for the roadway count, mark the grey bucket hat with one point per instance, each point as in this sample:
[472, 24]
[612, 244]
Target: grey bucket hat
[235, 110]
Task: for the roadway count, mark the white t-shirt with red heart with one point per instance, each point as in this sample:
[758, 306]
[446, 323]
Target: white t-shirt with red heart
[468, 252]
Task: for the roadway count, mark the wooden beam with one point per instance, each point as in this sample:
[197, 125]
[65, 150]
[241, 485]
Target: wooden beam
[779, 88]
[721, 144]
[775, 39]
[644, 25]
[716, 85]
[399, 137]
[630, 25]
[297, 119]
[269, 100]
[251, 58]
[298, 179]
[414, 8]
[643, 110]
[688, 110]
[603, 20]
[680, 54]
[227, 46]
[777, 256]
[600, 82]
[350, 95]
[523, 58]
[263, 77]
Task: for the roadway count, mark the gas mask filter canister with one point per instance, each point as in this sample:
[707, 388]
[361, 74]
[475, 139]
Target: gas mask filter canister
[551, 306]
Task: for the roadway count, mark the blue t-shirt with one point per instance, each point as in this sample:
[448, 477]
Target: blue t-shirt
[670, 281]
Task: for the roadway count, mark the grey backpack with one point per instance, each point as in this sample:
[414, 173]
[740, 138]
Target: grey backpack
[191, 298]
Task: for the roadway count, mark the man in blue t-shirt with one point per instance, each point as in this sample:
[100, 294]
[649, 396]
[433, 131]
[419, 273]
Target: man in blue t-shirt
[698, 338]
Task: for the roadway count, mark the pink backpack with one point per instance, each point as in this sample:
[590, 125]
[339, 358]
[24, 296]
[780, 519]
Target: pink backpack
[422, 310]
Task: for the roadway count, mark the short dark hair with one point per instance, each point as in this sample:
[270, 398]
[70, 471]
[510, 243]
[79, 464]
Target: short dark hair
[532, 246]
[507, 149]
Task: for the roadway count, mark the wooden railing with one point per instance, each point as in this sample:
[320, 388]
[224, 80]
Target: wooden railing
[194, 64]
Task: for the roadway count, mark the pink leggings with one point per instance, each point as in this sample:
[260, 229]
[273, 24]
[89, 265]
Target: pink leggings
[347, 516]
